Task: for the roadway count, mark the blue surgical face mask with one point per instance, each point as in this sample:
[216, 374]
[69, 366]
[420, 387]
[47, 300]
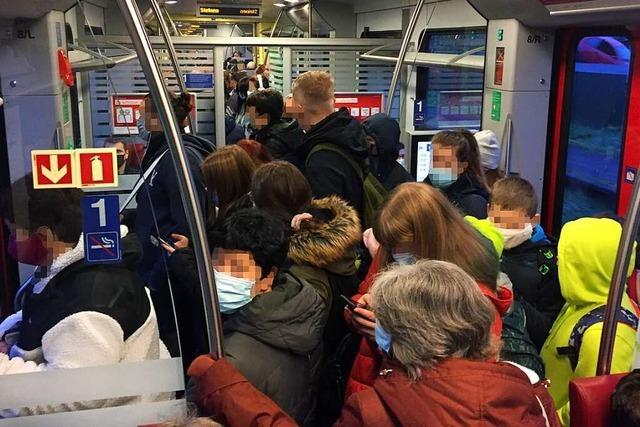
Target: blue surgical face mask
[233, 292]
[404, 258]
[383, 339]
[442, 177]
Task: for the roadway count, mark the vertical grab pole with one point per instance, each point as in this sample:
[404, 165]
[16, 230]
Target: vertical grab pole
[275, 24]
[310, 18]
[402, 55]
[618, 281]
[220, 102]
[160, 96]
[164, 31]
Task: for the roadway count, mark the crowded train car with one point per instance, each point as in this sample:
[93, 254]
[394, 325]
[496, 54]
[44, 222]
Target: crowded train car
[319, 213]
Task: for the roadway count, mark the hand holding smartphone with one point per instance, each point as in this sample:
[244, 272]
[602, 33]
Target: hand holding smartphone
[350, 304]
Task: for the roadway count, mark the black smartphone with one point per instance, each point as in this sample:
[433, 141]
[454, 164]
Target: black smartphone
[157, 241]
[350, 304]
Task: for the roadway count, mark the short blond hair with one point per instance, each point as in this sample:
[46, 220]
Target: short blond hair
[515, 193]
[314, 89]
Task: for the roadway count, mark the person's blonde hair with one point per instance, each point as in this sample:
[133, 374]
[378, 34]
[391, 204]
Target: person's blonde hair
[420, 215]
[227, 174]
[314, 90]
[433, 311]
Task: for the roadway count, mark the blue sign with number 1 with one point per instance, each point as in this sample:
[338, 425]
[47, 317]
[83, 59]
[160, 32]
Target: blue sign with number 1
[101, 228]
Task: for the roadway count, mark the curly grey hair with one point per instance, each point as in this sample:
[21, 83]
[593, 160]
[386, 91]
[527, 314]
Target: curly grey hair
[433, 310]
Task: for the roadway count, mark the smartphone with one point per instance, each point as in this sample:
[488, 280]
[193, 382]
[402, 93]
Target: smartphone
[158, 241]
[350, 304]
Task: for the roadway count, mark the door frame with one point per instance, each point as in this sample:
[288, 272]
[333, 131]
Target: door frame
[556, 159]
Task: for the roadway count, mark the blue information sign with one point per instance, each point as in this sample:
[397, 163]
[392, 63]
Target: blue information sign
[419, 108]
[198, 80]
[101, 228]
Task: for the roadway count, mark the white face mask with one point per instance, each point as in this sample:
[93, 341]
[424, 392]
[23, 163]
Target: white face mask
[233, 292]
[515, 237]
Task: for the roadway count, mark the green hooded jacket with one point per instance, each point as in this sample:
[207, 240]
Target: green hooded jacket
[586, 256]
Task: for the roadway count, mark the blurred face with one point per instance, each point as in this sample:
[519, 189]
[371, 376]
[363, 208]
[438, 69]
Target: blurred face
[258, 121]
[241, 264]
[297, 111]
[510, 219]
[445, 157]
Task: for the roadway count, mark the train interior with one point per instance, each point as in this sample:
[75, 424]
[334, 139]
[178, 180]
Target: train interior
[558, 82]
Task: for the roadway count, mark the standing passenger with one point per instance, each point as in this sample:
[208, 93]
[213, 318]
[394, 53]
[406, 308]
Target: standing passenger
[457, 172]
[160, 211]
[586, 256]
[334, 140]
[282, 138]
[385, 135]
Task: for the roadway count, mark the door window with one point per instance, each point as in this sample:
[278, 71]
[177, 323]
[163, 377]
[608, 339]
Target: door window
[596, 126]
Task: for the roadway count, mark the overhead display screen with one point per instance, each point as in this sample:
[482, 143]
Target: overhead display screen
[223, 11]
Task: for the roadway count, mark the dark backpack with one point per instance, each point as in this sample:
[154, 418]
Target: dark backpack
[516, 344]
[373, 192]
[572, 350]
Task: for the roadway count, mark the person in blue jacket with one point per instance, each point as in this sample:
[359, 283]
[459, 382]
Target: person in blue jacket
[160, 211]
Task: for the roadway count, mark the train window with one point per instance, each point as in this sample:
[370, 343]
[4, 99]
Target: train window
[449, 97]
[596, 129]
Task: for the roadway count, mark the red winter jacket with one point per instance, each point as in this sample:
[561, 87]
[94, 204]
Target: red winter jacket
[368, 360]
[454, 392]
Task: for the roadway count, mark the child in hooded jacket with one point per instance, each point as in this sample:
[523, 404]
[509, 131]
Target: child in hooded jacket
[529, 257]
[586, 256]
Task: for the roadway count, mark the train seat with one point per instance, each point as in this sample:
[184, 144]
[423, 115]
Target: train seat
[589, 399]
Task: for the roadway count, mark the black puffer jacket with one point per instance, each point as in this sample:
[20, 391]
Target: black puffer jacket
[327, 171]
[468, 195]
[386, 132]
[283, 139]
[275, 341]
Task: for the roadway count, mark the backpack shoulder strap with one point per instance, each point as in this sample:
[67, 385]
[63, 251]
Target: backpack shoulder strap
[141, 180]
[342, 153]
[572, 350]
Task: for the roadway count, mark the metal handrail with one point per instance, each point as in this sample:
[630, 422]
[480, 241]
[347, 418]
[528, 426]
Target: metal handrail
[618, 282]
[403, 52]
[186, 183]
[173, 56]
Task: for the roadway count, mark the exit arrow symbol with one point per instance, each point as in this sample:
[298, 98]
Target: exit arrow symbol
[54, 174]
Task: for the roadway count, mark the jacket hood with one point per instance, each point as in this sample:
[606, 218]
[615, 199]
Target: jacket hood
[586, 256]
[290, 317]
[386, 132]
[488, 231]
[341, 129]
[331, 242]
[456, 391]
[158, 144]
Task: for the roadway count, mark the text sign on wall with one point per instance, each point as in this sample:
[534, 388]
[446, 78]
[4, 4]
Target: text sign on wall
[253, 11]
[198, 80]
[125, 112]
[360, 105]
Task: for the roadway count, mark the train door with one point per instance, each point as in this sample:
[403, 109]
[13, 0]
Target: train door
[594, 145]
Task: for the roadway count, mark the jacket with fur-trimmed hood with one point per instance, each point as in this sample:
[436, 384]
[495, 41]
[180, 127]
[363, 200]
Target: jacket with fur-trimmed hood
[329, 245]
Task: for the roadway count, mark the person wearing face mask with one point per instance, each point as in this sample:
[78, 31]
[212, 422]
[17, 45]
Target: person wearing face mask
[74, 314]
[439, 369]
[417, 222]
[122, 156]
[529, 257]
[457, 172]
[273, 319]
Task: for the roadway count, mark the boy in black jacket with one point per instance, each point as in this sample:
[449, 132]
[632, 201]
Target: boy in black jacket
[529, 257]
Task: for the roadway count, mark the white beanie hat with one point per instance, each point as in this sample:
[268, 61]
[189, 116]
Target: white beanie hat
[489, 149]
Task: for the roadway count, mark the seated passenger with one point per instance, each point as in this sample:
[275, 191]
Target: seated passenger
[490, 152]
[75, 314]
[417, 222]
[434, 326]
[529, 257]
[282, 138]
[457, 172]
[274, 320]
[384, 144]
[586, 256]
[625, 401]
[123, 156]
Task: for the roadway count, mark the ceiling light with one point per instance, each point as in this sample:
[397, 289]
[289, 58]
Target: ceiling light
[292, 1]
[171, 2]
[280, 5]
